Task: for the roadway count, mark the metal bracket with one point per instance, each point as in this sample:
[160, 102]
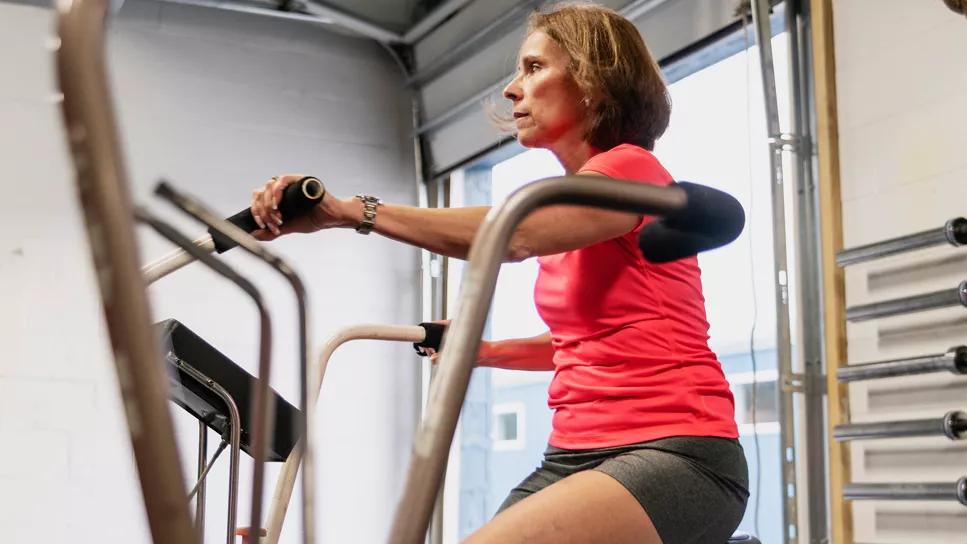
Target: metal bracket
[794, 383]
[785, 141]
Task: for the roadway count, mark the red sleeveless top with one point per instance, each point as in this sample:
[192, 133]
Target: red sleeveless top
[630, 338]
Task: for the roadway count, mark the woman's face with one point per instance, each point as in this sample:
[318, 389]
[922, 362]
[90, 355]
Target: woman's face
[548, 105]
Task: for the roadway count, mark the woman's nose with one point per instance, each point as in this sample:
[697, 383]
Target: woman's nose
[512, 91]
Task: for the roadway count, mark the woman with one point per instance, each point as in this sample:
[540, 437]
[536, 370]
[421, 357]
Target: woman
[643, 448]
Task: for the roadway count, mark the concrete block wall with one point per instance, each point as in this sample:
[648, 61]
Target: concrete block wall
[901, 82]
[217, 103]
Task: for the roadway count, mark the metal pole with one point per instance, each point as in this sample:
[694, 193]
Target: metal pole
[234, 441]
[175, 260]
[286, 482]
[265, 328]
[489, 249]
[202, 460]
[952, 425]
[956, 491]
[909, 305]
[810, 271]
[777, 141]
[954, 232]
[262, 419]
[955, 360]
[106, 205]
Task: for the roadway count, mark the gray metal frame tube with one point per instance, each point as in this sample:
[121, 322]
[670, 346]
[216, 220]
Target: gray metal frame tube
[488, 251]
[787, 428]
[956, 491]
[262, 420]
[955, 361]
[954, 232]
[909, 305]
[106, 205]
[431, 21]
[951, 425]
[810, 270]
[202, 471]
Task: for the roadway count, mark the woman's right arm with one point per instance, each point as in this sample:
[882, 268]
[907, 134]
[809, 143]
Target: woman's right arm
[535, 353]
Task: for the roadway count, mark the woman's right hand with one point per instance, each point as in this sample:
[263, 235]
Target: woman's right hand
[330, 212]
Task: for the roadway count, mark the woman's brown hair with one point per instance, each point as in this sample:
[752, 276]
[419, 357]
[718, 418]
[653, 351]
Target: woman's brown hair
[612, 66]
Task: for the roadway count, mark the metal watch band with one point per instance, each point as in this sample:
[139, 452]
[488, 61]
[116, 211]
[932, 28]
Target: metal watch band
[370, 203]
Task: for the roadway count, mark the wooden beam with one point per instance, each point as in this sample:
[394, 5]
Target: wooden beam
[831, 230]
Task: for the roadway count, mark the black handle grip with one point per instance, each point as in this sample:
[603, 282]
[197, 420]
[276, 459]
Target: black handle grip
[297, 200]
[434, 337]
[710, 219]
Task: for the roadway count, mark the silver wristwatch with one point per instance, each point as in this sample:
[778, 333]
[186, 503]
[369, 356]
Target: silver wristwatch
[370, 203]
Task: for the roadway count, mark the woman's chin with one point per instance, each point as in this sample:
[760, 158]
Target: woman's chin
[526, 139]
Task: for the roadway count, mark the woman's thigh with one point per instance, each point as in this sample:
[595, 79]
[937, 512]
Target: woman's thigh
[588, 506]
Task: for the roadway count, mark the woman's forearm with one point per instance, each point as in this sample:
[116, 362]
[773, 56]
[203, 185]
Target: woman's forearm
[445, 231]
[534, 353]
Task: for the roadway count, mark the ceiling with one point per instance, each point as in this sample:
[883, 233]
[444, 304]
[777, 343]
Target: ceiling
[394, 15]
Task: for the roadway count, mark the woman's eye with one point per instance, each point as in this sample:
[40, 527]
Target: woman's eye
[533, 67]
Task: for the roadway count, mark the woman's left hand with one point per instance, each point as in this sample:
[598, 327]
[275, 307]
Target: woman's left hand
[330, 212]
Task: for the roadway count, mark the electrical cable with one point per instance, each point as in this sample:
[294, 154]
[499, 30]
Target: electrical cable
[755, 302]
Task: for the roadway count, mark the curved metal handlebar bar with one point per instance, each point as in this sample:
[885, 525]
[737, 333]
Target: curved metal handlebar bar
[286, 481]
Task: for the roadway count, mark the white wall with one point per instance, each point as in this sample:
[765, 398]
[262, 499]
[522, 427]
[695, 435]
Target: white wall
[216, 102]
[901, 81]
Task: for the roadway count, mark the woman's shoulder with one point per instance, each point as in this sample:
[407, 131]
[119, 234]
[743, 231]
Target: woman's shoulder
[628, 161]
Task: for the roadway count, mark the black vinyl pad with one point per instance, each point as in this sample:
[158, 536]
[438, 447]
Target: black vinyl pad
[180, 346]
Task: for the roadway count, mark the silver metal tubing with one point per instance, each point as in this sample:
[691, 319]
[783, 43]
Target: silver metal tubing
[952, 425]
[265, 331]
[262, 420]
[955, 361]
[202, 472]
[954, 232]
[286, 481]
[908, 305]
[254, 10]
[956, 491]
[199, 487]
[234, 441]
[343, 18]
[175, 260]
[106, 205]
[488, 251]
[777, 144]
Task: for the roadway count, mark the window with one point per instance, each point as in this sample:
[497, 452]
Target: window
[508, 427]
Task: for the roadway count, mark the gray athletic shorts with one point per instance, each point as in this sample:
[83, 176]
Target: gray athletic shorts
[694, 489]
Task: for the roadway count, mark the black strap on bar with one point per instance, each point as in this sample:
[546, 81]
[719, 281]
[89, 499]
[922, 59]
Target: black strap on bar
[434, 337]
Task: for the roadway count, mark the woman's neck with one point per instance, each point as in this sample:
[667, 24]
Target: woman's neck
[573, 153]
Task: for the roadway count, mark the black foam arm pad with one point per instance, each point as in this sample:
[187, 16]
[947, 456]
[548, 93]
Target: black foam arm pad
[710, 219]
[434, 337]
[297, 200]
